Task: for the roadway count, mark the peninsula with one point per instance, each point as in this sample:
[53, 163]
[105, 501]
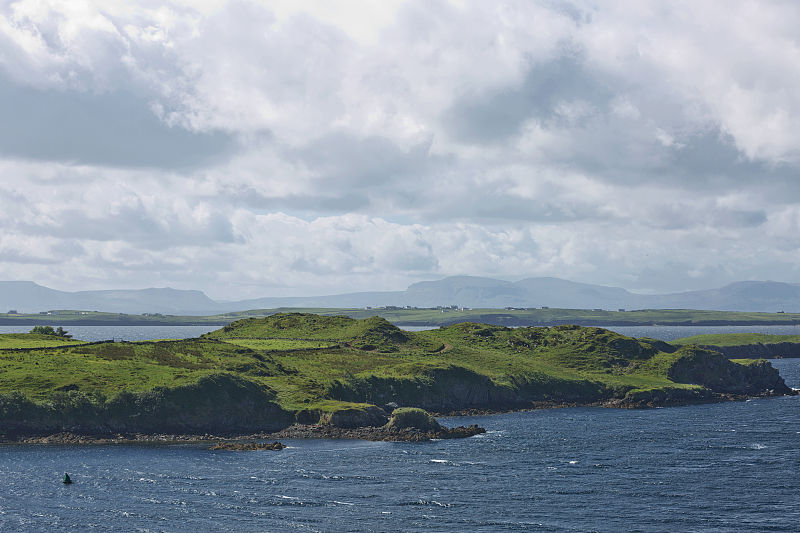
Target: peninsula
[315, 375]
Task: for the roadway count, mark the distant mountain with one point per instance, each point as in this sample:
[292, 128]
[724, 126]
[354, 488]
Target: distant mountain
[29, 297]
[465, 291]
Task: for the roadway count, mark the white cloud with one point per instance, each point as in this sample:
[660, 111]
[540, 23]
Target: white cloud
[328, 148]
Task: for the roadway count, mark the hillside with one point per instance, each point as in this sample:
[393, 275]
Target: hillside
[264, 374]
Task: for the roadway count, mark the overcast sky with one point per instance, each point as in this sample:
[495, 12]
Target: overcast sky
[260, 148]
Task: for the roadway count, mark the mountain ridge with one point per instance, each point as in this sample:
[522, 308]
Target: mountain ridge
[462, 291]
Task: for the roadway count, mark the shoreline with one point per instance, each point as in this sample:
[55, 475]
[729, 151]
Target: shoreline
[368, 433]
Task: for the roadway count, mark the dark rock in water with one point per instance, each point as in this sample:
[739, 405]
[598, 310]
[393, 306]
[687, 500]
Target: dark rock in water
[248, 446]
[408, 424]
[461, 432]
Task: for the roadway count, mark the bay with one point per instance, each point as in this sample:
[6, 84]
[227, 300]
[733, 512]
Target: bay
[718, 467]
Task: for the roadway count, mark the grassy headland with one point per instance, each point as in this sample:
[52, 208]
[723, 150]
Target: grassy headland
[735, 345]
[261, 374]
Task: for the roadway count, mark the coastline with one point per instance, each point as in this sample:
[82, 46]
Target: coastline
[368, 433]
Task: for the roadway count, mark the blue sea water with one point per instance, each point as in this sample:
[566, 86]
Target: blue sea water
[140, 333]
[720, 467]
[123, 333]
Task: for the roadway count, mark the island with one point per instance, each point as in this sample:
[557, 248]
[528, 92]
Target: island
[311, 375]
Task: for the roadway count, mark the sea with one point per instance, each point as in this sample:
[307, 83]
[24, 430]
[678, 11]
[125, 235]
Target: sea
[728, 467]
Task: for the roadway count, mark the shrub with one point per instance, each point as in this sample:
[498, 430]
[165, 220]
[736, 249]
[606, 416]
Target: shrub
[48, 330]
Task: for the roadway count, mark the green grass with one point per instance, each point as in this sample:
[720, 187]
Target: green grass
[279, 344]
[735, 339]
[32, 340]
[325, 363]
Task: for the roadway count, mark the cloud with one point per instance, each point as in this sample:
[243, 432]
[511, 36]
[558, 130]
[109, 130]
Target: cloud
[287, 148]
[116, 129]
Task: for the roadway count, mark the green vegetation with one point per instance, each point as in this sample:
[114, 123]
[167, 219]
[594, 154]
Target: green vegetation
[277, 345]
[337, 369]
[747, 345]
[48, 330]
[32, 340]
[735, 339]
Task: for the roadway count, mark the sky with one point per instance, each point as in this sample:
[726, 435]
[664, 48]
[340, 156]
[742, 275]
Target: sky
[281, 148]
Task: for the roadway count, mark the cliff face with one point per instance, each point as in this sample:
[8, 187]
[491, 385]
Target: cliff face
[231, 376]
[215, 404]
[715, 372]
[456, 388]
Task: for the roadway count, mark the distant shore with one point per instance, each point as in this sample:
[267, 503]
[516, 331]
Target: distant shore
[497, 320]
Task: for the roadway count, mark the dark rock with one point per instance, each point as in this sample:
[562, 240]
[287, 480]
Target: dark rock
[413, 418]
[355, 417]
[248, 446]
[714, 371]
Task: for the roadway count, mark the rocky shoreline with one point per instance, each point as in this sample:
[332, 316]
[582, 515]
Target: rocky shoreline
[296, 431]
[372, 433]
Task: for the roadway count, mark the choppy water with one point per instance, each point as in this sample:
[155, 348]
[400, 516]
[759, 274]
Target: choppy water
[721, 467]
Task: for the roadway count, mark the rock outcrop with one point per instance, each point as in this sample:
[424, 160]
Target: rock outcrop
[355, 417]
[248, 446]
[717, 373]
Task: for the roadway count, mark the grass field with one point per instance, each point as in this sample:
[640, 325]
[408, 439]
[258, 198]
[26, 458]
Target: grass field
[32, 340]
[735, 339]
[277, 345]
[312, 362]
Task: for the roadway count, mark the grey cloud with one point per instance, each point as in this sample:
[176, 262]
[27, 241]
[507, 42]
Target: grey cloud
[671, 216]
[739, 218]
[341, 158]
[135, 225]
[19, 257]
[494, 117]
[333, 202]
[114, 128]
